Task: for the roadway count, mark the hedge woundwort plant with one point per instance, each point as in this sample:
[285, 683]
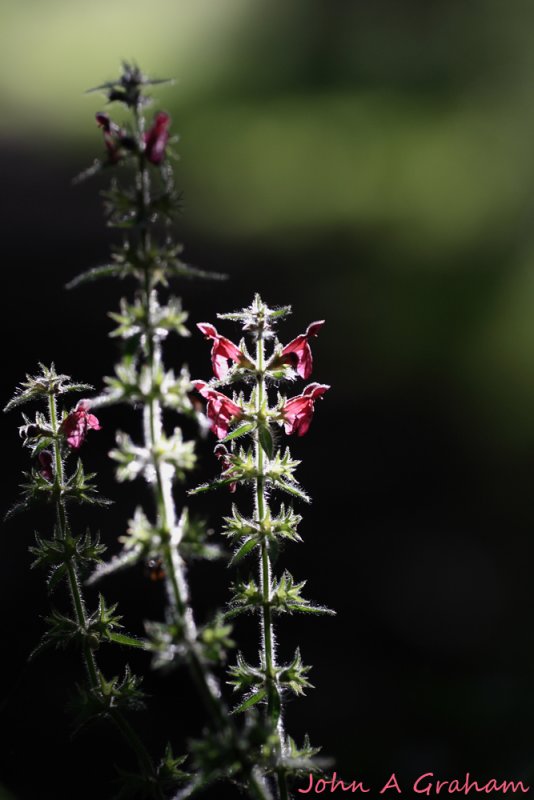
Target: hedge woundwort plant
[254, 750]
[52, 437]
[263, 465]
[144, 207]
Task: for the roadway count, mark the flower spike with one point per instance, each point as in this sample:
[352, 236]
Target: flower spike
[268, 468]
[144, 205]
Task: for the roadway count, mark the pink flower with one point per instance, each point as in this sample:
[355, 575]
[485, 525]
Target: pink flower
[45, 460]
[298, 352]
[297, 412]
[223, 350]
[156, 138]
[75, 426]
[223, 455]
[220, 409]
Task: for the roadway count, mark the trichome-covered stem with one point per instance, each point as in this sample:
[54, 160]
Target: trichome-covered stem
[170, 529]
[268, 651]
[78, 602]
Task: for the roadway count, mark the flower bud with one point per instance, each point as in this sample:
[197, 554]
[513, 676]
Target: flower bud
[45, 459]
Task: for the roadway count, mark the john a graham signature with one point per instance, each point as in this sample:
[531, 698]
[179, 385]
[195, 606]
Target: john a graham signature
[426, 784]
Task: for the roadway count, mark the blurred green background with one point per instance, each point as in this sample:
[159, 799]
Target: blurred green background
[371, 163]
[399, 132]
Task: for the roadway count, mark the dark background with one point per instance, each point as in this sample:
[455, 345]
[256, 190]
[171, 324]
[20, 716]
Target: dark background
[371, 164]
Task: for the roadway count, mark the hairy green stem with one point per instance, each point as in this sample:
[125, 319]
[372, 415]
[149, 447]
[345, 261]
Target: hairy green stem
[171, 532]
[63, 527]
[78, 602]
[274, 701]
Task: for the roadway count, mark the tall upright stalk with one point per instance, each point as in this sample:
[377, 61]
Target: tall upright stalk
[268, 469]
[51, 439]
[73, 578]
[150, 256]
[274, 702]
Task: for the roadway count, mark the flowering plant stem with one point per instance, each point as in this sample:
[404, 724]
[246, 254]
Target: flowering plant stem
[51, 440]
[170, 531]
[78, 602]
[267, 639]
[267, 468]
[159, 458]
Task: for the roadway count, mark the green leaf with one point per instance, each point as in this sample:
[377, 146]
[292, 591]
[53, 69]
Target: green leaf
[248, 545]
[14, 510]
[283, 311]
[307, 609]
[208, 487]
[273, 547]
[41, 444]
[257, 697]
[276, 706]
[128, 641]
[294, 490]
[241, 431]
[266, 440]
[56, 576]
[96, 274]
[236, 612]
[181, 270]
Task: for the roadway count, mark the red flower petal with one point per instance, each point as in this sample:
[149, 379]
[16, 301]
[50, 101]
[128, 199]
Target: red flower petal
[209, 330]
[103, 121]
[75, 426]
[156, 138]
[297, 412]
[220, 410]
[298, 352]
[223, 350]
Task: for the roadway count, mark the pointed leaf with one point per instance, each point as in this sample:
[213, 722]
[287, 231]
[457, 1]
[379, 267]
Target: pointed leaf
[241, 431]
[95, 274]
[208, 487]
[257, 697]
[307, 609]
[273, 546]
[276, 707]
[128, 641]
[292, 489]
[266, 440]
[56, 576]
[248, 545]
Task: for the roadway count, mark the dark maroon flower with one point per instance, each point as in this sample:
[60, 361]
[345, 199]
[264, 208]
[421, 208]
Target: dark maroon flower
[113, 136]
[45, 461]
[75, 426]
[298, 352]
[223, 350]
[103, 121]
[221, 452]
[156, 138]
[220, 409]
[297, 412]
